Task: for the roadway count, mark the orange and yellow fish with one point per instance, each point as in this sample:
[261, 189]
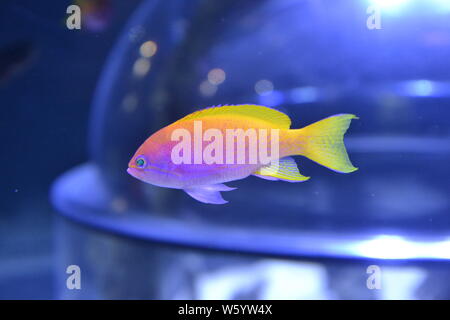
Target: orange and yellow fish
[207, 148]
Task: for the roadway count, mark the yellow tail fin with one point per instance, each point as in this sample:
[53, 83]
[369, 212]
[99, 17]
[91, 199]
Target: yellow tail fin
[323, 142]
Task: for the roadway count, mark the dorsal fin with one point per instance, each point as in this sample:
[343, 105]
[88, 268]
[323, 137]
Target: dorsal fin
[286, 169]
[277, 118]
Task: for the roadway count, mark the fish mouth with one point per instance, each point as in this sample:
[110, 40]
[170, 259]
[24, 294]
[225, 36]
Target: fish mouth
[132, 172]
[138, 174]
[133, 168]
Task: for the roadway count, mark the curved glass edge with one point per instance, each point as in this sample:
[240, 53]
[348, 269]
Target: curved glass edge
[73, 196]
[109, 72]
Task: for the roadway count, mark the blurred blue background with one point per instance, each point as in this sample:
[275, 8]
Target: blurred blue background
[48, 77]
[77, 103]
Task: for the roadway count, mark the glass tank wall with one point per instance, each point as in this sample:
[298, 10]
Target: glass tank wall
[310, 60]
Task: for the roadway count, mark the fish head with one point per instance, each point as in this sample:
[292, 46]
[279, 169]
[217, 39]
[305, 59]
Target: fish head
[149, 164]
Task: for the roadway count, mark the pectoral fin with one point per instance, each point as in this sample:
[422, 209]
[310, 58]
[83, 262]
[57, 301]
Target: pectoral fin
[208, 193]
[286, 169]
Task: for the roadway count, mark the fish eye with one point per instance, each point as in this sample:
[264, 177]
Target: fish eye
[141, 162]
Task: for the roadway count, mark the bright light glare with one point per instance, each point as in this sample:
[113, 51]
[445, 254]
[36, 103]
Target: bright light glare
[440, 6]
[419, 88]
[389, 4]
[395, 247]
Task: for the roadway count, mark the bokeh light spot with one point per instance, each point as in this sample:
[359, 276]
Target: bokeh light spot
[207, 89]
[216, 76]
[119, 204]
[141, 67]
[130, 102]
[148, 49]
[264, 87]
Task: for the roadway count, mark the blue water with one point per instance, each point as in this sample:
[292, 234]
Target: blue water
[75, 105]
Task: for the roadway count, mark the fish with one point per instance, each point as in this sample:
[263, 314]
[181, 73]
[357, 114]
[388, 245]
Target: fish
[189, 154]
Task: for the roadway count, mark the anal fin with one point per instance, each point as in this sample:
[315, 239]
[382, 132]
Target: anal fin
[209, 193]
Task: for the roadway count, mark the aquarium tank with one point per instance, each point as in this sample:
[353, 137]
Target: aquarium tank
[381, 232]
